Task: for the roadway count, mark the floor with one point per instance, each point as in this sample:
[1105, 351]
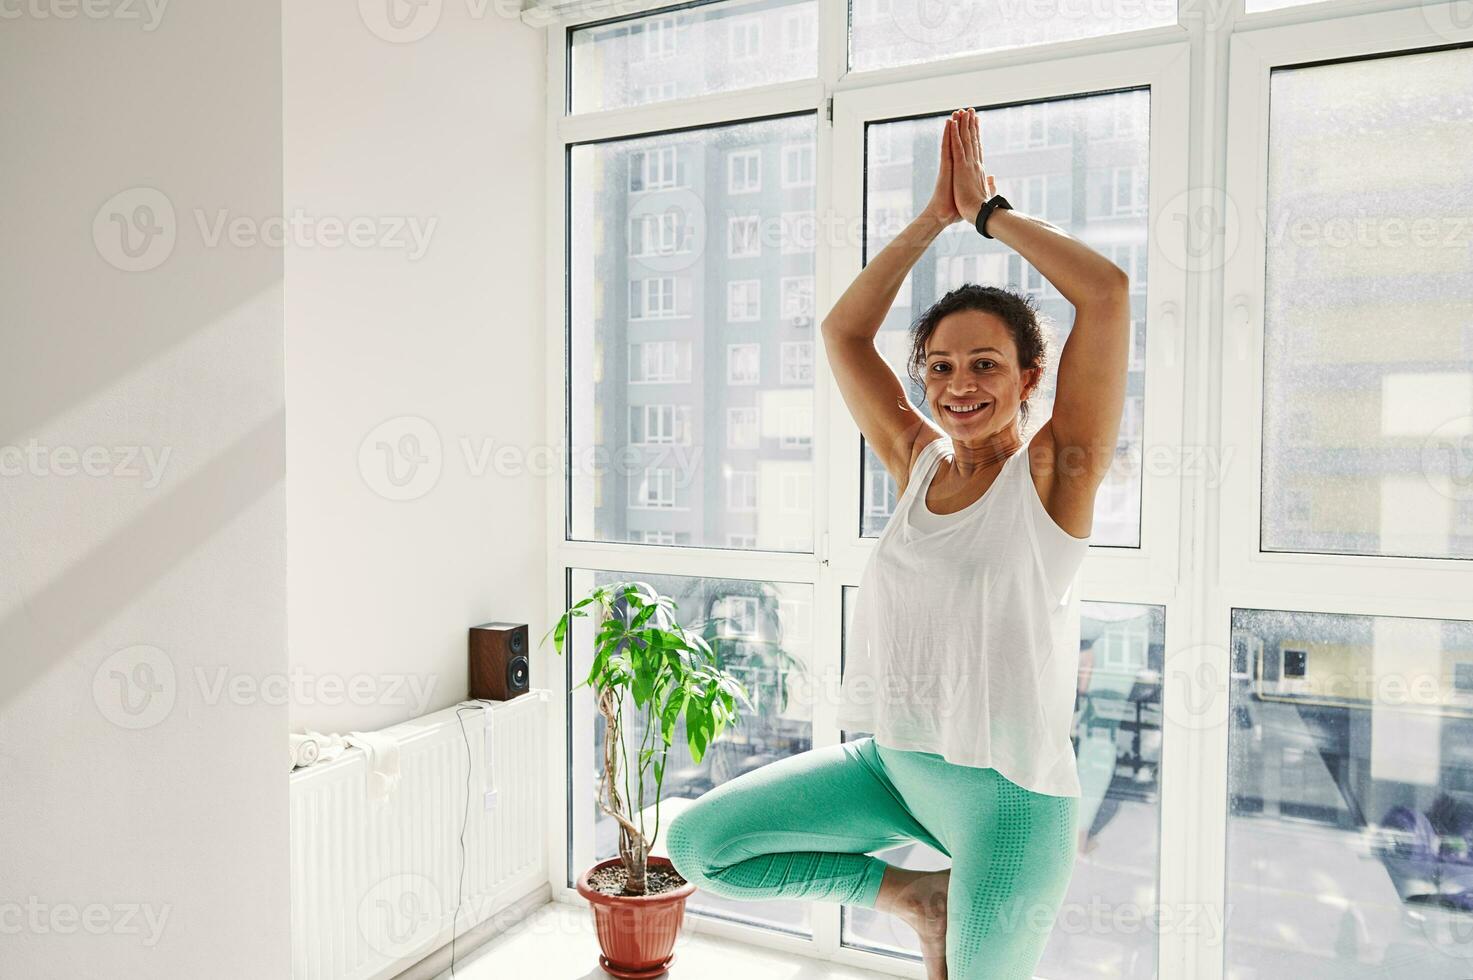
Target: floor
[557, 942]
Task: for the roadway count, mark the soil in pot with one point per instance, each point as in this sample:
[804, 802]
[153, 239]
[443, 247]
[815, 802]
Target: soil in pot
[657, 880]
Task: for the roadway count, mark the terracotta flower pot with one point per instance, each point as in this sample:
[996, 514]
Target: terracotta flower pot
[636, 932]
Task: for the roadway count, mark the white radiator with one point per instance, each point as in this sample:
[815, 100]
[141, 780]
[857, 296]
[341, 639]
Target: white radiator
[374, 885]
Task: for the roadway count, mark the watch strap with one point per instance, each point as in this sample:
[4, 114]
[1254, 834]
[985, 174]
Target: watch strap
[985, 212]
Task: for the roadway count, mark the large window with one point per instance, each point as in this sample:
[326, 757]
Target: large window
[710, 318]
[1275, 630]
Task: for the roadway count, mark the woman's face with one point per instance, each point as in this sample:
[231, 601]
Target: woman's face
[973, 382]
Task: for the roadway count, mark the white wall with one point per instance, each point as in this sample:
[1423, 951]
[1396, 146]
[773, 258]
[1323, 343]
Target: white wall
[143, 826]
[388, 351]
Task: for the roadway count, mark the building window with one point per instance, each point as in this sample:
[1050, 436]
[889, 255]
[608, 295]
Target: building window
[797, 362]
[659, 424]
[797, 300]
[743, 236]
[798, 162]
[744, 300]
[741, 428]
[743, 364]
[659, 361]
[652, 170]
[744, 171]
[741, 491]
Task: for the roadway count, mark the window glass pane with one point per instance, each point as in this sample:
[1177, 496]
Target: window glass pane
[700, 50]
[761, 632]
[1350, 776]
[691, 271]
[1117, 744]
[885, 33]
[1079, 163]
[1368, 345]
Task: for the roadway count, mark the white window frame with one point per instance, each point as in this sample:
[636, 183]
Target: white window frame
[1198, 555]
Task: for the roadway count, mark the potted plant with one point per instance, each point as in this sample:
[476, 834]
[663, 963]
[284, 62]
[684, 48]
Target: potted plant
[643, 655]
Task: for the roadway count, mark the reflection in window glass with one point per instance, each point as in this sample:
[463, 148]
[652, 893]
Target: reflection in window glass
[1350, 782]
[1117, 745]
[1080, 164]
[762, 632]
[700, 50]
[885, 33]
[1368, 358]
[691, 309]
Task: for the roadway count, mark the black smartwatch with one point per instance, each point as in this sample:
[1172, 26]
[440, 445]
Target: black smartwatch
[996, 201]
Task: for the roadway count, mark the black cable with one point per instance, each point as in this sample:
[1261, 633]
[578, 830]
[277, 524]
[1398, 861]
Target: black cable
[465, 820]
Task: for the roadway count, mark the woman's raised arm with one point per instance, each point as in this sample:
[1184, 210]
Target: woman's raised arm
[1089, 397]
[871, 388]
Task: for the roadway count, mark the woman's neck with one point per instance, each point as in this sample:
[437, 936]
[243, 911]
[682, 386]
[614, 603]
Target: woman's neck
[969, 458]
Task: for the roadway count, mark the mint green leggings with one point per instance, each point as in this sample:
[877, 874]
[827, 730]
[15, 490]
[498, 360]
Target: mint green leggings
[800, 828]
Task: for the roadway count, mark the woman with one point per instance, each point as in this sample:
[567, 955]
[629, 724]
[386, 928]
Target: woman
[960, 663]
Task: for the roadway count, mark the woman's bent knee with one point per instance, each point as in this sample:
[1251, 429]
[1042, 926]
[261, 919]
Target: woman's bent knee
[683, 847]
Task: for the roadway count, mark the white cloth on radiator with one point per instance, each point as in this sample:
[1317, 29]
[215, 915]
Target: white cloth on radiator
[382, 752]
[305, 750]
[328, 748]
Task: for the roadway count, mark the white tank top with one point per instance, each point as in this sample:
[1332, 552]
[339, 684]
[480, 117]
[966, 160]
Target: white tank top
[965, 636]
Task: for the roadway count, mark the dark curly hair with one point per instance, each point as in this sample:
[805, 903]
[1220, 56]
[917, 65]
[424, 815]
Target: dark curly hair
[1029, 327]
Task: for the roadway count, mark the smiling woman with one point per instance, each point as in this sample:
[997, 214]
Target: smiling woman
[969, 588]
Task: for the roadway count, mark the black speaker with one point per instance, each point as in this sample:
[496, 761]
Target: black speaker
[499, 668]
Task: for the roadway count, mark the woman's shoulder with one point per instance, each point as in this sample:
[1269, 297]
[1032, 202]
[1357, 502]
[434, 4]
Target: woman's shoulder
[928, 442]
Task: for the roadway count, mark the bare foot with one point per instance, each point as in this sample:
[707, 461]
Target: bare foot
[919, 899]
